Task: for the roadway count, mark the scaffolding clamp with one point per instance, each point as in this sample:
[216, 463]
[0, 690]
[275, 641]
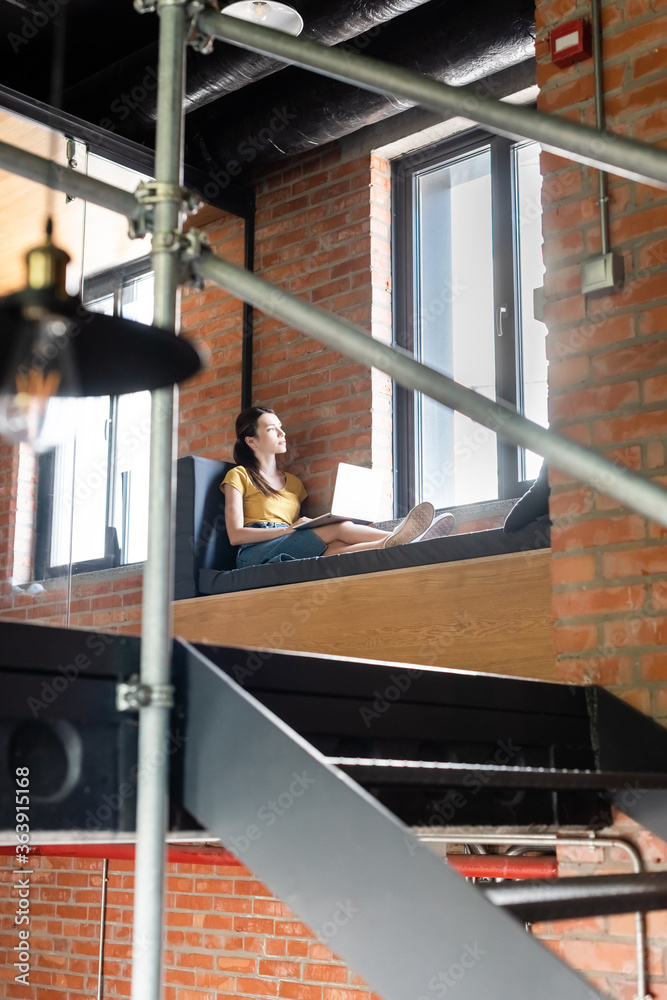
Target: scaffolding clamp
[192, 245]
[149, 193]
[132, 695]
[199, 41]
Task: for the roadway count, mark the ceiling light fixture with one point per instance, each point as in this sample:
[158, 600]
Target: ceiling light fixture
[50, 346]
[279, 16]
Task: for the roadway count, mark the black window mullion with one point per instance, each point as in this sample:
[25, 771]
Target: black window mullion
[504, 303]
[112, 457]
[44, 515]
[403, 299]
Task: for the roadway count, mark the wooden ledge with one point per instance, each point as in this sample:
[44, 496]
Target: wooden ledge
[491, 614]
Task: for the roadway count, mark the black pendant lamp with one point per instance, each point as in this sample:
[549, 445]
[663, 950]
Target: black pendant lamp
[50, 346]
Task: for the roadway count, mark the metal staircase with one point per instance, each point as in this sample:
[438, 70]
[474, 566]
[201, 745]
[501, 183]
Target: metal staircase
[441, 748]
[312, 770]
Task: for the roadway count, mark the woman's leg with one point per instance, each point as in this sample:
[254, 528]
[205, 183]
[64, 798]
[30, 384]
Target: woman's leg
[349, 537]
[346, 536]
[350, 533]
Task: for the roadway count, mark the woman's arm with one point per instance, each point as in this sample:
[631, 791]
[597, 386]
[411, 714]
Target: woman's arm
[238, 535]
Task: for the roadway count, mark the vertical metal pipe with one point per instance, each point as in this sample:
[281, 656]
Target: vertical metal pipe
[103, 923]
[248, 318]
[152, 796]
[600, 123]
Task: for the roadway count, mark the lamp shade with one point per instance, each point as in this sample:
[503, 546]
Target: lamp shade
[279, 16]
[51, 346]
[94, 355]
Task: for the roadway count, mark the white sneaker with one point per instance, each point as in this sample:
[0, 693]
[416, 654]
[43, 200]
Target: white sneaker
[412, 526]
[442, 525]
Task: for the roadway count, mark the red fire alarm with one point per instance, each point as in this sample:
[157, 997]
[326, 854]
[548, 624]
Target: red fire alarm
[571, 42]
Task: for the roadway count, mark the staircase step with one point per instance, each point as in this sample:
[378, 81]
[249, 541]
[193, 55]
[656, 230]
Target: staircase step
[574, 898]
[438, 773]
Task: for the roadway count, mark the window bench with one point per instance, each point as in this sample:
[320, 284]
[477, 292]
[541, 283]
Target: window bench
[478, 601]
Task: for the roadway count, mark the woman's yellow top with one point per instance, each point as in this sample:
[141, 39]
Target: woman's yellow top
[281, 509]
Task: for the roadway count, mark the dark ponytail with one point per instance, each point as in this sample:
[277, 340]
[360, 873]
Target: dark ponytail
[246, 426]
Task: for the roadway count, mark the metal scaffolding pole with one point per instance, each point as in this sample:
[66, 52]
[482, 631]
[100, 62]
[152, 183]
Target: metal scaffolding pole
[615, 480]
[627, 158]
[152, 796]
[59, 178]
[642, 495]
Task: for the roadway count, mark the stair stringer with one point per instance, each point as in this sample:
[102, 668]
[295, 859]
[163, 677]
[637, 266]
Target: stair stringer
[626, 739]
[414, 929]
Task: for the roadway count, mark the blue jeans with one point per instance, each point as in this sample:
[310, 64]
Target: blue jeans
[297, 545]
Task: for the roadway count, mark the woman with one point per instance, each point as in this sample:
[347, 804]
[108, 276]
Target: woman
[262, 504]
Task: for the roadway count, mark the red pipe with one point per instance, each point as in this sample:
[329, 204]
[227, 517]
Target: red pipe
[176, 853]
[470, 865]
[502, 866]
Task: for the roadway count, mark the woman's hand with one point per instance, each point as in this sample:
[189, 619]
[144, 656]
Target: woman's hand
[301, 520]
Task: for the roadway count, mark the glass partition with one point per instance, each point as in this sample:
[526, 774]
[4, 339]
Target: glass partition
[75, 517]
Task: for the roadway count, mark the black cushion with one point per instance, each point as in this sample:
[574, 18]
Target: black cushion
[201, 538]
[532, 505]
[470, 545]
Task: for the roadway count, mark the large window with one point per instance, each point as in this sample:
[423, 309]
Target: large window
[93, 489]
[467, 245]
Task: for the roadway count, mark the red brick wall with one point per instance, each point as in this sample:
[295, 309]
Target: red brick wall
[226, 936]
[320, 223]
[605, 948]
[607, 358]
[213, 319]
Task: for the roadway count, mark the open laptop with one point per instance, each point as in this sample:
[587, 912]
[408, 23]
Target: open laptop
[357, 496]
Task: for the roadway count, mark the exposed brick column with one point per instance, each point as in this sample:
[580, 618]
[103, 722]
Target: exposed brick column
[322, 233]
[213, 319]
[608, 360]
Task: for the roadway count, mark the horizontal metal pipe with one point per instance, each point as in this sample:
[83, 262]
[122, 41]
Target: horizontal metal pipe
[502, 866]
[616, 481]
[487, 866]
[635, 160]
[53, 175]
[569, 898]
[183, 854]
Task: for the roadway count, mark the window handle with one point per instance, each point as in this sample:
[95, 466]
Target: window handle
[501, 316]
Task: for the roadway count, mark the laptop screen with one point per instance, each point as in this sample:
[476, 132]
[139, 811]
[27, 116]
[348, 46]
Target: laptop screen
[358, 492]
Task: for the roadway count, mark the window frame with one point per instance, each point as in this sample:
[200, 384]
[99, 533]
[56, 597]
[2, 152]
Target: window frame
[508, 360]
[97, 286]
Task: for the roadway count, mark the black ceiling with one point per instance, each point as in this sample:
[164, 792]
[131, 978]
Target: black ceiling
[234, 96]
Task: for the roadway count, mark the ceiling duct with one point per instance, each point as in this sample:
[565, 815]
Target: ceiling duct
[450, 40]
[129, 88]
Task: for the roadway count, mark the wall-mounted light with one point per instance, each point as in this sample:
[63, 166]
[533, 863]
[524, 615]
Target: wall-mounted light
[279, 16]
[51, 346]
